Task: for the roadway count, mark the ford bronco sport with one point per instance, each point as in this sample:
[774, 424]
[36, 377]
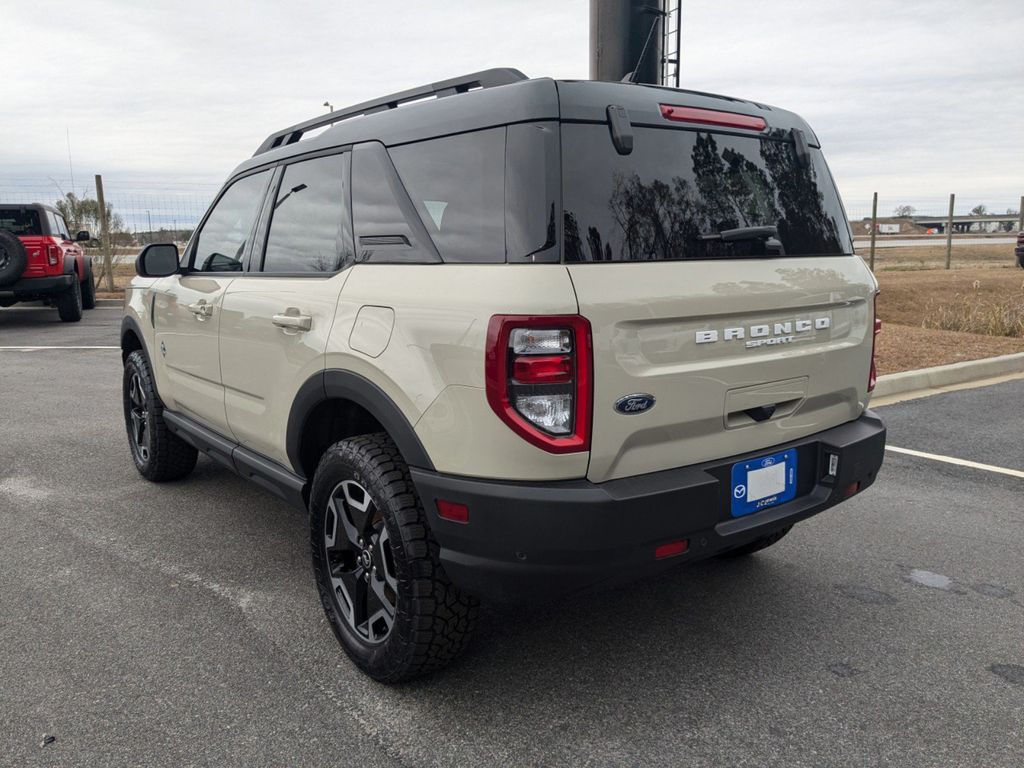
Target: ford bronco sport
[520, 338]
[38, 260]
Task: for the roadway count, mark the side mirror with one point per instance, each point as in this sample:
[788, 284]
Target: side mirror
[157, 260]
[83, 237]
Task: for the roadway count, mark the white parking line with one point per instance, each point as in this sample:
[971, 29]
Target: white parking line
[958, 462]
[39, 349]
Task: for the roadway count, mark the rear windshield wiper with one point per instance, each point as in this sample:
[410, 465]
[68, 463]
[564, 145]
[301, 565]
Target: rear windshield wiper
[769, 233]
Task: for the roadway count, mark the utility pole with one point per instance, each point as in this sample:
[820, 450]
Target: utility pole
[874, 227]
[108, 267]
[949, 232]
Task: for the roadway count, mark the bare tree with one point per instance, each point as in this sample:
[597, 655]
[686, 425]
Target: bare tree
[904, 211]
[979, 210]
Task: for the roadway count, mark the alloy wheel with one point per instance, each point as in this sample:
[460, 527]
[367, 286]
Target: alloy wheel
[138, 414]
[360, 562]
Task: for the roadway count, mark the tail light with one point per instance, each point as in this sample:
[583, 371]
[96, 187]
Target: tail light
[53, 252]
[712, 117]
[539, 373]
[873, 375]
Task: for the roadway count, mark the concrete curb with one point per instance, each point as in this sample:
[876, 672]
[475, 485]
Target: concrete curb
[109, 302]
[948, 375]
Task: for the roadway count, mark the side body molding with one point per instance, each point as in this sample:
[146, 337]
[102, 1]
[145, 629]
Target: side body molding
[337, 384]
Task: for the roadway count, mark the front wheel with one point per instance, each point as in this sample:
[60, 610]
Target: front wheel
[389, 601]
[88, 287]
[69, 303]
[158, 454]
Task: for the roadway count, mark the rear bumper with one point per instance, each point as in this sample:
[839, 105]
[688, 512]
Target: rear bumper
[30, 289]
[535, 540]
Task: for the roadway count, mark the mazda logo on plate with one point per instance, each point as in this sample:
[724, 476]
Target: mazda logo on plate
[635, 403]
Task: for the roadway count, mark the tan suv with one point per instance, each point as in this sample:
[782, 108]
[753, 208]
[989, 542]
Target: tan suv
[510, 339]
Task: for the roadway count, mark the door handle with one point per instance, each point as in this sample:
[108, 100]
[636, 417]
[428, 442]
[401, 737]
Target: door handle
[201, 309]
[291, 320]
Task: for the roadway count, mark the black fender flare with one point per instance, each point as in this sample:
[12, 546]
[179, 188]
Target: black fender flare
[338, 384]
[130, 324]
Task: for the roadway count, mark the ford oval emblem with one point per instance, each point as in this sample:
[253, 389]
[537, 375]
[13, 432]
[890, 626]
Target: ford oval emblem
[635, 403]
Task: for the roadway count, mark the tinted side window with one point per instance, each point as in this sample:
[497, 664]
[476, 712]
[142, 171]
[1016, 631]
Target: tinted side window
[57, 226]
[221, 243]
[386, 225]
[457, 184]
[310, 229]
[20, 221]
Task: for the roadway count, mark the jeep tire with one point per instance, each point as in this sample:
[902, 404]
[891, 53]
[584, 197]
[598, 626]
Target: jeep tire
[756, 545]
[13, 258]
[69, 303]
[388, 600]
[158, 454]
[88, 287]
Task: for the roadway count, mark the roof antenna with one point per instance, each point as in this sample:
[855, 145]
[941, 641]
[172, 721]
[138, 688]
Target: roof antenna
[658, 14]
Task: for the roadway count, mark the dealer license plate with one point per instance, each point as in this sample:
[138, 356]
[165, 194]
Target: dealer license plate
[763, 482]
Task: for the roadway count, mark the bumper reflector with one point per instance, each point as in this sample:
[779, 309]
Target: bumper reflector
[671, 549]
[449, 510]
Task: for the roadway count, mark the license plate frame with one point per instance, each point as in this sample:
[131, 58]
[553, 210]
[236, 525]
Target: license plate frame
[763, 482]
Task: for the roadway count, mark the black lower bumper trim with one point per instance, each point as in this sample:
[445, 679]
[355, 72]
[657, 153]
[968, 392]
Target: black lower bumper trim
[530, 540]
[32, 288]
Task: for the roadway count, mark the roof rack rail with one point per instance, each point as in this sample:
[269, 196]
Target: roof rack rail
[487, 78]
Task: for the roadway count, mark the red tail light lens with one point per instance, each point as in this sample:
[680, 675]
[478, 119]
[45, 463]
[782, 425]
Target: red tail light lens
[712, 117]
[539, 372]
[53, 252]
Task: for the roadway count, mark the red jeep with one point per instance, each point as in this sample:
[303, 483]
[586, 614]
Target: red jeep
[39, 260]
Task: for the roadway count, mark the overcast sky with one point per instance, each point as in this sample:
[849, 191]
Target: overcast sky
[913, 99]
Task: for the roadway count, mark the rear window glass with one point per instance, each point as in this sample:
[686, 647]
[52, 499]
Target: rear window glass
[678, 189]
[457, 184]
[20, 222]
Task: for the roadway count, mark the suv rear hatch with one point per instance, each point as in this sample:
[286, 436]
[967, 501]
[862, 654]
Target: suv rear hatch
[26, 224]
[716, 268]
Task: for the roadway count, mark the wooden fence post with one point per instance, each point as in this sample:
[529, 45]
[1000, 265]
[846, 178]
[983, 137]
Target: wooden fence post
[874, 227]
[949, 232]
[108, 267]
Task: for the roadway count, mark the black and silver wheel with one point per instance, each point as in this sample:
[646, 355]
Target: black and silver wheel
[158, 454]
[388, 600]
[360, 562]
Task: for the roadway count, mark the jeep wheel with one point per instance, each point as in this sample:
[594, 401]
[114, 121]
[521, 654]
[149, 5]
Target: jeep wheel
[13, 258]
[88, 287]
[69, 303]
[388, 600]
[159, 455]
[757, 544]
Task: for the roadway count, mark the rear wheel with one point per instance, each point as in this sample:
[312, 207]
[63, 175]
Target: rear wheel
[757, 544]
[88, 287]
[158, 454]
[389, 602]
[69, 303]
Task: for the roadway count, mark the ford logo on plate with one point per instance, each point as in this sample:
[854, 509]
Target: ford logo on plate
[636, 403]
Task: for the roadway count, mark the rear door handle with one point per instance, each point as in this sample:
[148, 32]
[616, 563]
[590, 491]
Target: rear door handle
[201, 309]
[291, 320]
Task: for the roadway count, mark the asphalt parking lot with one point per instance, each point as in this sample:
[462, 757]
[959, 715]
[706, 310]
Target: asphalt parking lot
[179, 625]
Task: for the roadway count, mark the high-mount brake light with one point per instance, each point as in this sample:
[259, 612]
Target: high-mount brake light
[712, 117]
[539, 373]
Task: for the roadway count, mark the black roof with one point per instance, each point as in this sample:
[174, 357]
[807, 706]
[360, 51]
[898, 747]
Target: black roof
[507, 97]
[29, 206]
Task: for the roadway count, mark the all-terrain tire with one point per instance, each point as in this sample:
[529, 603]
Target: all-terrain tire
[159, 455]
[756, 545]
[432, 621]
[13, 258]
[88, 287]
[69, 303]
